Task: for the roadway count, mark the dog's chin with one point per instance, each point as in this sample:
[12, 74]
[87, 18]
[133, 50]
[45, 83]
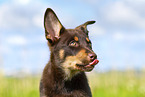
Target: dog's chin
[84, 68]
[87, 67]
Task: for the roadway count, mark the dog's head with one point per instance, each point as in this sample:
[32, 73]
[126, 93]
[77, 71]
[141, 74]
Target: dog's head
[71, 48]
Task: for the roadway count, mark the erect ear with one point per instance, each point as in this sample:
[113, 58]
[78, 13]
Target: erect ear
[83, 27]
[52, 25]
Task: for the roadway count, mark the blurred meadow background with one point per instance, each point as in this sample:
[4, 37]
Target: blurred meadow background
[118, 38]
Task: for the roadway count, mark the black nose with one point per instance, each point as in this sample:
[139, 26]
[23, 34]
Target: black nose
[92, 56]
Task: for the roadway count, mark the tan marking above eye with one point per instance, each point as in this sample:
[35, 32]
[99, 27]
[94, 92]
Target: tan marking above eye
[61, 54]
[87, 39]
[76, 38]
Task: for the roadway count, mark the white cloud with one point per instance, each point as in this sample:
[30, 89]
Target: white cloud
[135, 1]
[23, 2]
[5, 50]
[91, 1]
[96, 30]
[119, 13]
[16, 16]
[134, 37]
[118, 36]
[38, 21]
[16, 40]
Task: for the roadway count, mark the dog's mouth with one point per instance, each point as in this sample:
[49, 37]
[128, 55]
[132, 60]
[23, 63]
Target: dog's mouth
[87, 67]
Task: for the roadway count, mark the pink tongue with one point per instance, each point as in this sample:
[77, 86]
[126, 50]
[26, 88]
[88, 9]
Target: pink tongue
[94, 62]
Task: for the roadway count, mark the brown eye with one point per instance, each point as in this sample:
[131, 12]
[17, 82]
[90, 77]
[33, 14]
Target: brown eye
[73, 44]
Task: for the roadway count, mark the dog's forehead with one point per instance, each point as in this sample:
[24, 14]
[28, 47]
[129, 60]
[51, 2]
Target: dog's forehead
[77, 34]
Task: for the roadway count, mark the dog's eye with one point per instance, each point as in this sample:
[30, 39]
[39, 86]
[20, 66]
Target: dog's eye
[73, 44]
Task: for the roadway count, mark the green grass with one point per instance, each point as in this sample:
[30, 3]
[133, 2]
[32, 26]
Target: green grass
[19, 87]
[109, 84]
[118, 84]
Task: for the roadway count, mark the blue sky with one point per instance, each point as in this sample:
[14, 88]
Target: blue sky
[118, 36]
